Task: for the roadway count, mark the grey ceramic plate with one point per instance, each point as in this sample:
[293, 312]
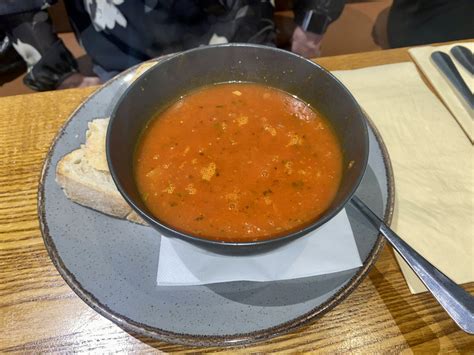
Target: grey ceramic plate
[111, 264]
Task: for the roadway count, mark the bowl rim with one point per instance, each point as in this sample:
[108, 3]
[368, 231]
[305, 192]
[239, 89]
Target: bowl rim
[169, 231]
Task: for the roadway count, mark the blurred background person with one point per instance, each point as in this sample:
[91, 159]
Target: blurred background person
[417, 22]
[404, 23]
[118, 34]
[29, 31]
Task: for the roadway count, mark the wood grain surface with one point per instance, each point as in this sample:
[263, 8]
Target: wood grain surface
[40, 313]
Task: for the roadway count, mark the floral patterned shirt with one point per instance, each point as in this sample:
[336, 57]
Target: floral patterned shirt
[118, 34]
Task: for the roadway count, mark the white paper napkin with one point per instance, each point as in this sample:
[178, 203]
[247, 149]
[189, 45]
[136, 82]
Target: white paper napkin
[329, 249]
[432, 163]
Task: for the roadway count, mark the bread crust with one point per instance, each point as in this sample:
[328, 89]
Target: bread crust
[135, 218]
[88, 190]
[85, 179]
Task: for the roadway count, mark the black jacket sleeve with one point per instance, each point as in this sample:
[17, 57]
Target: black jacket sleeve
[49, 61]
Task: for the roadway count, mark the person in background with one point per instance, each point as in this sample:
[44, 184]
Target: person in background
[312, 19]
[410, 22]
[50, 65]
[118, 34]
[417, 22]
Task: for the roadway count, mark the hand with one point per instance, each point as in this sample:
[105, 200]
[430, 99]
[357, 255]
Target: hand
[78, 80]
[307, 44]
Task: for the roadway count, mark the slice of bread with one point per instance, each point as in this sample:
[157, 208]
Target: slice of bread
[94, 149]
[85, 178]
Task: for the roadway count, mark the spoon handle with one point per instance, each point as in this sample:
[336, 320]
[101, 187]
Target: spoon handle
[447, 67]
[455, 300]
[464, 56]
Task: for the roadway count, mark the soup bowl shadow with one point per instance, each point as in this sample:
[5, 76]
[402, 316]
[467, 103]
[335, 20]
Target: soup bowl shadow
[184, 72]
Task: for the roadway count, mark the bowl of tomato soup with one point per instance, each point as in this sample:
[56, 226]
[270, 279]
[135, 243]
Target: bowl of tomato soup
[237, 145]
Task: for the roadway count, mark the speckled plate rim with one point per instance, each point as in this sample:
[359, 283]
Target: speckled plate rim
[207, 340]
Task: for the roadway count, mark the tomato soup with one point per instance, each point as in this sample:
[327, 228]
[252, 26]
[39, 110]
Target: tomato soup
[238, 162]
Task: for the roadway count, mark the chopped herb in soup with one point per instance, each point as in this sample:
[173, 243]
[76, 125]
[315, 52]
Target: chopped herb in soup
[238, 162]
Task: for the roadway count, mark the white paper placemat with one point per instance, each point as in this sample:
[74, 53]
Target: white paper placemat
[433, 167]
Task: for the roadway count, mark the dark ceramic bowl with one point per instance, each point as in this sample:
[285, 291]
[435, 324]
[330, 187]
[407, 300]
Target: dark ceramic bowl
[179, 74]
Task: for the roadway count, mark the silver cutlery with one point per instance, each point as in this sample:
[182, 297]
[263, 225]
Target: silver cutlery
[447, 67]
[464, 56]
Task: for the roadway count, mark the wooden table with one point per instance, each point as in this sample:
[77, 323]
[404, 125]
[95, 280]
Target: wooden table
[40, 313]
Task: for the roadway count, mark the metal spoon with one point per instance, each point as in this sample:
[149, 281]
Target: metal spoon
[458, 303]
